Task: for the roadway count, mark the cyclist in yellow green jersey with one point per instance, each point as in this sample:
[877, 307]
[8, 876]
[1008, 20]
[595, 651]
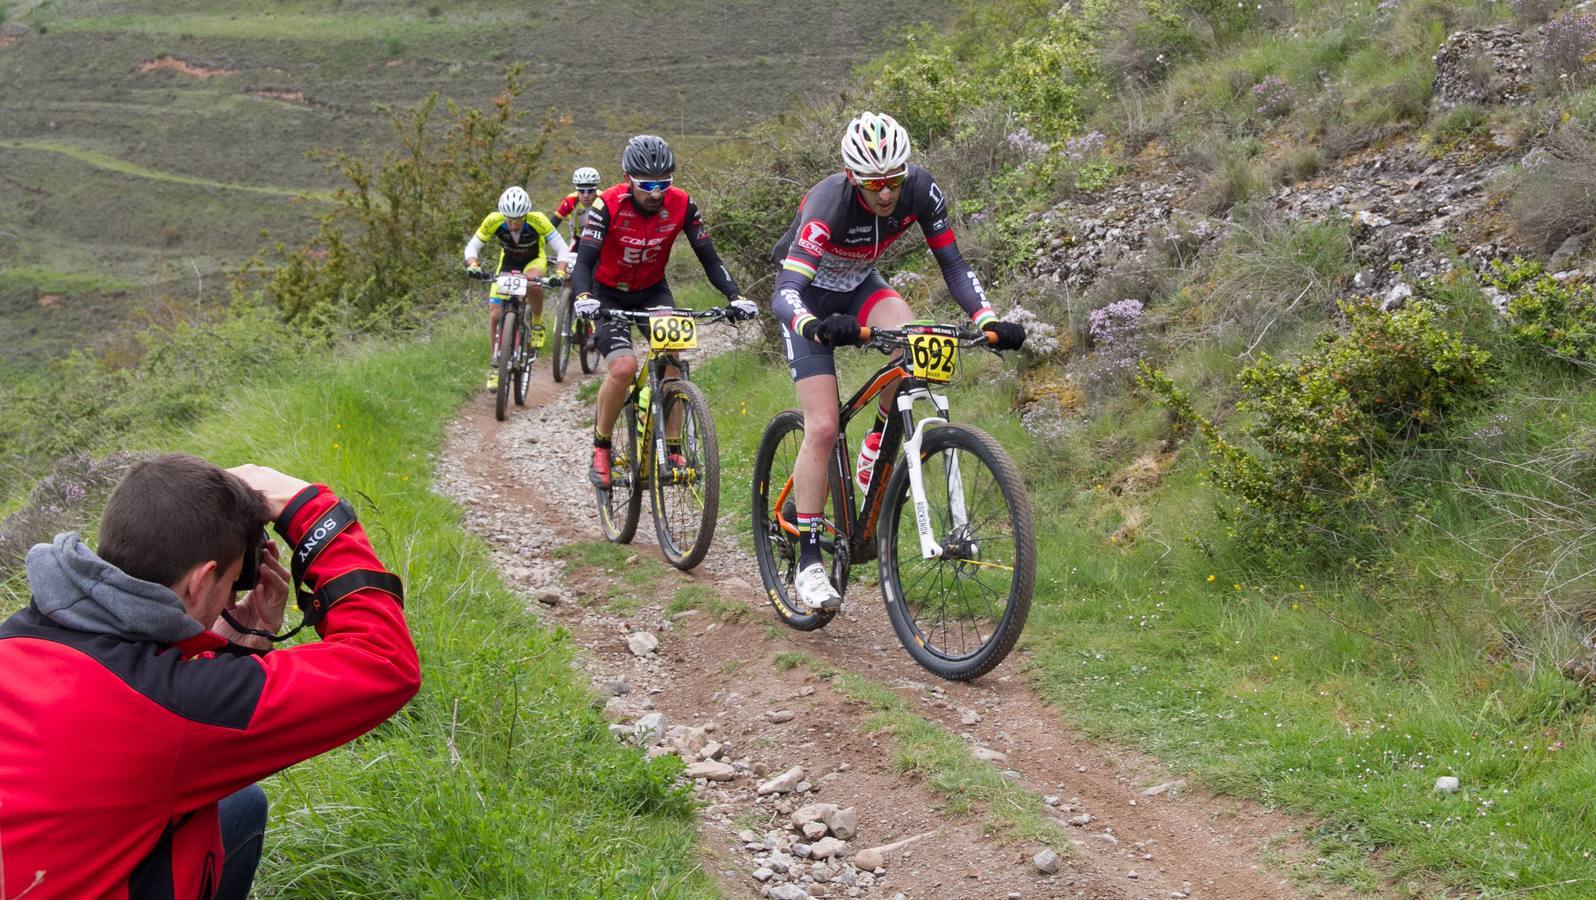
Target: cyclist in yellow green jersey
[528, 240]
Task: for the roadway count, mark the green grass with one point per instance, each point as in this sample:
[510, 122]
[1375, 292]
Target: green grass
[499, 779]
[708, 601]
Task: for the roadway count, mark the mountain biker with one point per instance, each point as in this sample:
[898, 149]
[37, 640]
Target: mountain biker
[523, 236]
[828, 285]
[585, 182]
[620, 264]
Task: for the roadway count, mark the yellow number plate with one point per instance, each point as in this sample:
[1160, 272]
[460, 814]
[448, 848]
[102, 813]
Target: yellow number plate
[669, 332]
[933, 357]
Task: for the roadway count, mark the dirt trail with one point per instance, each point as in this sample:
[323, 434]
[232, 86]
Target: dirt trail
[523, 483]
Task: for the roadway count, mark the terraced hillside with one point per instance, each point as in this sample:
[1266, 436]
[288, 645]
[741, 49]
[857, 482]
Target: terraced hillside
[145, 145]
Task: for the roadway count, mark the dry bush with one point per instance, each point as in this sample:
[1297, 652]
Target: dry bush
[1273, 272]
[68, 499]
[1553, 195]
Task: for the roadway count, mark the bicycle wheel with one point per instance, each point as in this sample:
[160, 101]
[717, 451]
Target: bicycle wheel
[587, 348]
[775, 549]
[524, 354]
[959, 614]
[686, 497]
[562, 335]
[621, 505]
[501, 399]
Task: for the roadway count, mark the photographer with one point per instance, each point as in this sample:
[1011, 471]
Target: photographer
[135, 717]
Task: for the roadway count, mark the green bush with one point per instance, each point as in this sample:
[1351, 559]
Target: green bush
[1545, 313]
[396, 230]
[1324, 428]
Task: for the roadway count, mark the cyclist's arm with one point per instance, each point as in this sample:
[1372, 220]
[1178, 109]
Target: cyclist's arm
[557, 246]
[698, 237]
[931, 209]
[484, 233]
[804, 245]
[564, 209]
[587, 254]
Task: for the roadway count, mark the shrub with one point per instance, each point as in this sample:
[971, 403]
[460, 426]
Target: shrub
[1544, 313]
[1562, 62]
[396, 229]
[1533, 12]
[1273, 272]
[1231, 180]
[1552, 196]
[65, 500]
[1119, 341]
[1271, 97]
[1325, 426]
[1460, 125]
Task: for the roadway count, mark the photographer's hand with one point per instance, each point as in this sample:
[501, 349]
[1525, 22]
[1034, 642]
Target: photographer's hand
[276, 487]
[262, 608]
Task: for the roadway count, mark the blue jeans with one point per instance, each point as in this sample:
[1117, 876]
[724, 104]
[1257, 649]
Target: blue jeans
[243, 819]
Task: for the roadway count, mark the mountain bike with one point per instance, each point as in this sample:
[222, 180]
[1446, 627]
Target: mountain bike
[572, 332]
[948, 522]
[514, 337]
[666, 443]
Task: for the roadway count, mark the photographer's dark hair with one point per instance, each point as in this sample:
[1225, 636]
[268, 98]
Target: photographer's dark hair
[173, 512]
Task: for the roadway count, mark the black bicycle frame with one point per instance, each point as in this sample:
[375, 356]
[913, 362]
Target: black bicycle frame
[862, 541]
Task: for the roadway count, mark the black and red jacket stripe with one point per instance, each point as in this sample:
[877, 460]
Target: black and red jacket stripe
[114, 752]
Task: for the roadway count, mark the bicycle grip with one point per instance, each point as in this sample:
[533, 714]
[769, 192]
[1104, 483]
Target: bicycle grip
[864, 334]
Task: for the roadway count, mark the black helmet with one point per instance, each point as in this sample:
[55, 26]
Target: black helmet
[648, 156]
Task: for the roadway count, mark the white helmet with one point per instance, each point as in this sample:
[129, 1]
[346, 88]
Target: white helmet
[585, 177]
[514, 203]
[875, 144]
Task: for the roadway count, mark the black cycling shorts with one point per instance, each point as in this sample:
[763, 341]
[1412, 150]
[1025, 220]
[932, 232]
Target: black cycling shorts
[805, 358]
[615, 338]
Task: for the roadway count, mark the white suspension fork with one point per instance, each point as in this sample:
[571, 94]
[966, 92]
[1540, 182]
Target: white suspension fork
[930, 547]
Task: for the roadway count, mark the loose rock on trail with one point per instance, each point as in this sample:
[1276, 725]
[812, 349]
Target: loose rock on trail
[799, 798]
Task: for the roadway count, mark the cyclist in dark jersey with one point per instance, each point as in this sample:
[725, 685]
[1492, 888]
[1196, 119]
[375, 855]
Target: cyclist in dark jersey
[625, 247]
[828, 285]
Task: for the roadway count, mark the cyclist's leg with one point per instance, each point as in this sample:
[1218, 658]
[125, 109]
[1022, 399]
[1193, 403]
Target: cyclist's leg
[534, 292]
[614, 341]
[882, 307]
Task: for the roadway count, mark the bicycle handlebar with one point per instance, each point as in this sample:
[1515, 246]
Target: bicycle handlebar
[885, 339]
[541, 281]
[643, 315]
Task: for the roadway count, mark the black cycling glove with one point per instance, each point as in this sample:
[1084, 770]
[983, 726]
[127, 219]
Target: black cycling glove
[1009, 335]
[838, 330]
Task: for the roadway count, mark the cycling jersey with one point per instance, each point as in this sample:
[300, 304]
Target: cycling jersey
[572, 204]
[522, 249]
[624, 248]
[835, 241]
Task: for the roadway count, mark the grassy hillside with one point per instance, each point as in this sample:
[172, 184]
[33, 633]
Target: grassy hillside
[146, 139]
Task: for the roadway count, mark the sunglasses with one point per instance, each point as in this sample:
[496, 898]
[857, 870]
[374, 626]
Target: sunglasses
[880, 184]
[651, 186]
[249, 574]
[587, 190]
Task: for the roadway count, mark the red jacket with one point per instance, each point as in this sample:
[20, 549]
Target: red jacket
[115, 751]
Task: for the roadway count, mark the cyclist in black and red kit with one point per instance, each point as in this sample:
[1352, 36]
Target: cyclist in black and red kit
[625, 246]
[828, 285]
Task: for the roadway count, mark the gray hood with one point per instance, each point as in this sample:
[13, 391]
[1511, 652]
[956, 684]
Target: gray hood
[79, 590]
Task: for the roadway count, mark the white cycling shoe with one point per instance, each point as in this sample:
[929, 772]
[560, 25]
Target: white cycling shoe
[814, 588]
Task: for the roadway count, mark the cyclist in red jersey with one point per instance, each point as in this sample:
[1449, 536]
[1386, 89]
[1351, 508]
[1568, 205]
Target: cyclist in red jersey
[828, 285]
[626, 244]
[585, 188]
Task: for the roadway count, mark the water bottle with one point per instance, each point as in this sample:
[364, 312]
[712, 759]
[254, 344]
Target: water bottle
[869, 451]
[642, 409]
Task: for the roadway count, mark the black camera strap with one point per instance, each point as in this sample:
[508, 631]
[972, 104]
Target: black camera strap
[315, 604]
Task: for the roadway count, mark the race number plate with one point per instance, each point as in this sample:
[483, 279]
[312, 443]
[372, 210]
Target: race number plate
[667, 331]
[933, 357]
[511, 285]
